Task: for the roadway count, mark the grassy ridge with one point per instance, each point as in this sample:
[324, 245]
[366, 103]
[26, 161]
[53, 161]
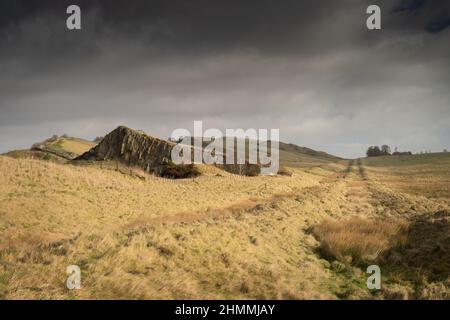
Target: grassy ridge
[57, 149]
[76, 146]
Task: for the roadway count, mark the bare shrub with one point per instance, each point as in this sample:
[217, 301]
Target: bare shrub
[180, 171]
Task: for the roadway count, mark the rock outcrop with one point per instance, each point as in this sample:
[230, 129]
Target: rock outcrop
[136, 149]
[131, 147]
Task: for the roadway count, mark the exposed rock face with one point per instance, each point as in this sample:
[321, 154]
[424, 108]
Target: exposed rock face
[135, 148]
[132, 148]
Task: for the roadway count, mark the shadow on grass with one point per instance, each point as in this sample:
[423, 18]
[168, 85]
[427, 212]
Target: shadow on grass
[426, 251]
[414, 261]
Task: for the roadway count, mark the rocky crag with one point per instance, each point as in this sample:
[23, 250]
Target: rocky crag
[135, 148]
[132, 148]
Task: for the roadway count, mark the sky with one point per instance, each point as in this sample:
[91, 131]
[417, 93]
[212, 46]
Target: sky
[311, 69]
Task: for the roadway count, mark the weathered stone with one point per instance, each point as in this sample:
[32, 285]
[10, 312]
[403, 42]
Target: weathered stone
[135, 148]
[132, 148]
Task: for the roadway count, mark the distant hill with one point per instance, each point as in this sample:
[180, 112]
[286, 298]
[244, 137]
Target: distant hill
[436, 159]
[133, 147]
[292, 155]
[55, 148]
[64, 147]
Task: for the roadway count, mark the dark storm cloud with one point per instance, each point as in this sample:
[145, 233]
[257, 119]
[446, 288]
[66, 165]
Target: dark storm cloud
[409, 5]
[432, 16]
[310, 68]
[438, 24]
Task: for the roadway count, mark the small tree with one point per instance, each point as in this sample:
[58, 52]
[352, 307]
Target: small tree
[373, 151]
[376, 151]
[385, 150]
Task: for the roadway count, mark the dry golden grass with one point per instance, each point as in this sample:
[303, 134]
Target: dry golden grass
[216, 236]
[73, 145]
[52, 198]
[426, 175]
[208, 237]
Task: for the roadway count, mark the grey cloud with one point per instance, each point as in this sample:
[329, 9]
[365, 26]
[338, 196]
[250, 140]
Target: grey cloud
[311, 69]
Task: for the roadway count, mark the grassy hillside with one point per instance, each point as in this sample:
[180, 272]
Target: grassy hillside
[219, 235]
[291, 155]
[420, 175]
[61, 149]
[294, 156]
[57, 149]
[76, 146]
[439, 159]
[214, 236]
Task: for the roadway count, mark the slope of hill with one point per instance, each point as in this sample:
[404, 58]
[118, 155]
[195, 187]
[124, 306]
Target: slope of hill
[292, 155]
[135, 148]
[290, 147]
[55, 148]
[419, 175]
[64, 147]
[54, 215]
[219, 235]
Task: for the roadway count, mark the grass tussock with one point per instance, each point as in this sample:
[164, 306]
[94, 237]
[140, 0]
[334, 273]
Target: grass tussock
[358, 240]
[283, 171]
